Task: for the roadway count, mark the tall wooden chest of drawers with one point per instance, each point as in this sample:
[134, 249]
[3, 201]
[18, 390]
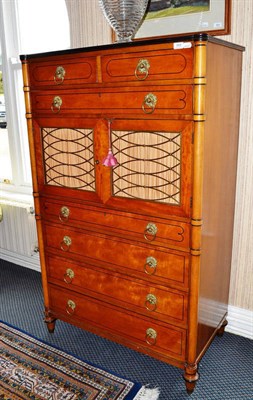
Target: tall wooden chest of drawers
[134, 150]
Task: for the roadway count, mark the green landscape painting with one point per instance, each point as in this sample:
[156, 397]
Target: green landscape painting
[171, 8]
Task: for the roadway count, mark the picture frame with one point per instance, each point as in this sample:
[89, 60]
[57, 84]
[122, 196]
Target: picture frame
[186, 17]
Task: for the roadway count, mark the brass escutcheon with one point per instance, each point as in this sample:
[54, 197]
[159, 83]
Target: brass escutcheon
[150, 232]
[149, 103]
[59, 75]
[150, 266]
[70, 308]
[69, 275]
[151, 336]
[151, 302]
[64, 214]
[66, 243]
[141, 71]
[56, 104]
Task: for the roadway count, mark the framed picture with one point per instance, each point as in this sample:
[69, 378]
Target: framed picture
[179, 17]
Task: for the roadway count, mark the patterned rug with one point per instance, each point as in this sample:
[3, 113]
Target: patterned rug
[32, 369]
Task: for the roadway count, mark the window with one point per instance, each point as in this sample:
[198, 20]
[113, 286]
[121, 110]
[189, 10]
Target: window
[26, 26]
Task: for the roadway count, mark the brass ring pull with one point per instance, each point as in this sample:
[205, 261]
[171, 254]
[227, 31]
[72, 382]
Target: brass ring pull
[141, 71]
[151, 302]
[68, 276]
[56, 104]
[59, 75]
[151, 336]
[149, 103]
[70, 308]
[150, 266]
[64, 214]
[66, 243]
[150, 232]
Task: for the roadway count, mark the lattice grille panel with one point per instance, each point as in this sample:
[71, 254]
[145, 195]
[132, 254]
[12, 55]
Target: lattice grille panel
[68, 158]
[149, 165]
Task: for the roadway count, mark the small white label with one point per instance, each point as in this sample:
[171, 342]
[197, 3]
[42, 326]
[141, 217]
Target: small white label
[217, 25]
[204, 24]
[182, 45]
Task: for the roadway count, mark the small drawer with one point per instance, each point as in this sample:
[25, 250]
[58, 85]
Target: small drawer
[161, 338]
[148, 66]
[159, 100]
[156, 302]
[127, 225]
[147, 262]
[63, 72]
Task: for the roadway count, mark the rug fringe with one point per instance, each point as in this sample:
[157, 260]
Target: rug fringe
[147, 394]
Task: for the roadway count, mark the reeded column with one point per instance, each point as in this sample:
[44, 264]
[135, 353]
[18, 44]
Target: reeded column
[48, 319]
[191, 374]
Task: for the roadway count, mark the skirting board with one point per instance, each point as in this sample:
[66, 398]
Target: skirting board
[31, 262]
[240, 321]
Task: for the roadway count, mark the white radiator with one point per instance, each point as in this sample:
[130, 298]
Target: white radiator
[18, 236]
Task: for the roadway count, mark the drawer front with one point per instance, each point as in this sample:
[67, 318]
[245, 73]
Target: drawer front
[174, 99]
[140, 228]
[63, 72]
[150, 300]
[147, 261]
[148, 66]
[163, 339]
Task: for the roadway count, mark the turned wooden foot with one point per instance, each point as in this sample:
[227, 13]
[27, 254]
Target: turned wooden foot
[50, 321]
[191, 377]
[51, 326]
[221, 330]
[190, 386]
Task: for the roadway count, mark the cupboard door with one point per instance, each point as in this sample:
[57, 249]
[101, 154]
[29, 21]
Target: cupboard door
[68, 153]
[153, 174]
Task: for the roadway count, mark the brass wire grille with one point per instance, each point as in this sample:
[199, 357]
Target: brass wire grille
[68, 158]
[149, 165]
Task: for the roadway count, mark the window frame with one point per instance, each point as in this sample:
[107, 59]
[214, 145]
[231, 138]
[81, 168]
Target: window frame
[15, 111]
[10, 31]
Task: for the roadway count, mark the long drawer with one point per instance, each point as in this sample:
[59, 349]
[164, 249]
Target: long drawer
[155, 100]
[162, 338]
[116, 254]
[141, 228]
[151, 300]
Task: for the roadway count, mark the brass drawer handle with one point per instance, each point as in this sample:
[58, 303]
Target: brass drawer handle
[150, 266]
[68, 276]
[150, 232]
[141, 71]
[151, 336]
[56, 104]
[70, 308]
[64, 214]
[149, 103]
[66, 243]
[59, 75]
[151, 302]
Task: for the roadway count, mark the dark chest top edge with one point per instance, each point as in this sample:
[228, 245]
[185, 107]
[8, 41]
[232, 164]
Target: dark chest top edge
[194, 38]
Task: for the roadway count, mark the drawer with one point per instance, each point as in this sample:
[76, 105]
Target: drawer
[160, 100]
[139, 296]
[63, 72]
[145, 261]
[148, 66]
[161, 338]
[141, 228]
